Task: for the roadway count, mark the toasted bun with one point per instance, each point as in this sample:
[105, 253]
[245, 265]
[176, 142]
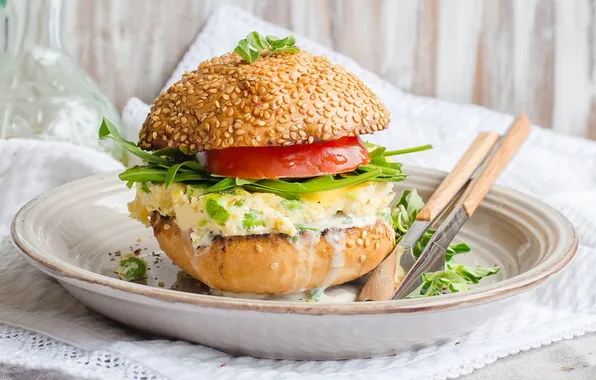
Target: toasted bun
[281, 99]
[272, 263]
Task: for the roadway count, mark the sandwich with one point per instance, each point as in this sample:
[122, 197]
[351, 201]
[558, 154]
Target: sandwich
[256, 178]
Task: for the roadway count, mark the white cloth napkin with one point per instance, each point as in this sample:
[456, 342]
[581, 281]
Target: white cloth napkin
[42, 326]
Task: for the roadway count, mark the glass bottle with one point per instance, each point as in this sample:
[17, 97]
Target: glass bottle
[43, 93]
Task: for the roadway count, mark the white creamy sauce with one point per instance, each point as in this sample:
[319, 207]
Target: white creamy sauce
[343, 221]
[336, 294]
[335, 238]
[305, 244]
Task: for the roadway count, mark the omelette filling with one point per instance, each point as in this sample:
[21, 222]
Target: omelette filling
[238, 212]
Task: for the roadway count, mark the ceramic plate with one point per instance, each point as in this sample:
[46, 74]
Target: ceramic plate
[76, 232]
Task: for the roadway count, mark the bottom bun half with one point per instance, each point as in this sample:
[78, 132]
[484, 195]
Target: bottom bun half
[275, 263]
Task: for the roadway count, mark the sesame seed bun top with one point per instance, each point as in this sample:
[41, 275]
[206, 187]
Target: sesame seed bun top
[281, 99]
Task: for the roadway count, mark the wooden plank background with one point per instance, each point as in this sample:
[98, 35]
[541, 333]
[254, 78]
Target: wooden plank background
[537, 56]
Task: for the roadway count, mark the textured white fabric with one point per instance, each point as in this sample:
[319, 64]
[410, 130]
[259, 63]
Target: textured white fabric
[63, 334]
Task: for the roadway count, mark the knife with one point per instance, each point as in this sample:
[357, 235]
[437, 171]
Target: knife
[401, 272]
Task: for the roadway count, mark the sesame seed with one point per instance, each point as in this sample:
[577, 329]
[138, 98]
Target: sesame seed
[350, 244]
[362, 258]
[364, 233]
[359, 241]
[166, 226]
[259, 248]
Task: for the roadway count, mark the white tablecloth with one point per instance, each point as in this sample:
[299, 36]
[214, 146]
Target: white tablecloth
[42, 326]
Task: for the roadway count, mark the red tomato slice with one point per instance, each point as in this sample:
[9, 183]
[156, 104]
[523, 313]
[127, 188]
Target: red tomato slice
[296, 161]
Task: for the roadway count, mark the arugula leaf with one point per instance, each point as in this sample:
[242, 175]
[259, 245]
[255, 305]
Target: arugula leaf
[107, 130]
[215, 211]
[406, 209]
[315, 185]
[457, 249]
[412, 203]
[407, 150]
[171, 173]
[224, 184]
[252, 219]
[254, 45]
[180, 153]
[244, 50]
[258, 41]
[159, 174]
[454, 277]
[473, 274]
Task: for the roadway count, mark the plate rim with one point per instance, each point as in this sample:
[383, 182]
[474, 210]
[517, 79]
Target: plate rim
[63, 270]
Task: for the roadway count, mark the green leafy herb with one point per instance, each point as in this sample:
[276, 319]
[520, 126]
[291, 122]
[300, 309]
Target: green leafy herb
[454, 277]
[316, 294]
[472, 274]
[240, 203]
[292, 204]
[257, 41]
[255, 45]
[457, 249]
[252, 219]
[109, 131]
[173, 170]
[203, 223]
[407, 150]
[131, 268]
[215, 211]
[405, 210]
[302, 227]
[144, 188]
[245, 51]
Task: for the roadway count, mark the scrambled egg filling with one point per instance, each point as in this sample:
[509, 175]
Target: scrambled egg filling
[239, 212]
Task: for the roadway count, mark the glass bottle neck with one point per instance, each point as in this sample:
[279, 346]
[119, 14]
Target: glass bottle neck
[25, 24]
[43, 24]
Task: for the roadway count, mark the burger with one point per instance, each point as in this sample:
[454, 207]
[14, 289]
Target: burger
[256, 179]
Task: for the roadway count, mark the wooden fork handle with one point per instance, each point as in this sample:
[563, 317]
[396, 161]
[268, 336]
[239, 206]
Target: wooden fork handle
[508, 147]
[465, 167]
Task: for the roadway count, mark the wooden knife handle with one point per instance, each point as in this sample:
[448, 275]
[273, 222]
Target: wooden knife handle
[465, 167]
[508, 147]
[381, 285]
